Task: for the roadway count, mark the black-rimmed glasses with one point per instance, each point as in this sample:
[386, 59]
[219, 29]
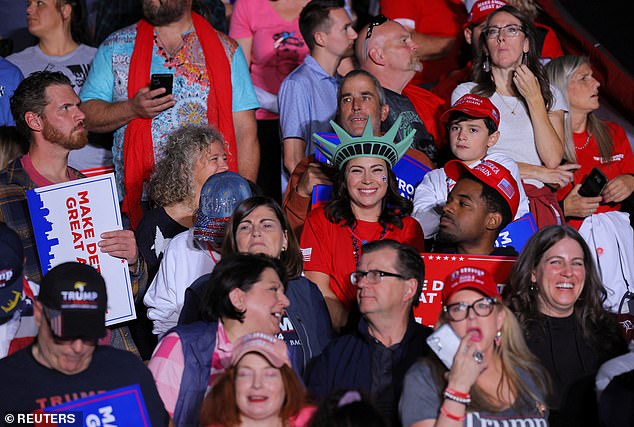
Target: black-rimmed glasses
[460, 311]
[374, 22]
[373, 276]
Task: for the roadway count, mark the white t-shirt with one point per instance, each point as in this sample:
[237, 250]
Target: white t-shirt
[517, 139]
[183, 262]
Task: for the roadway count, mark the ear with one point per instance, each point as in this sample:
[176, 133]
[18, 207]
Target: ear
[66, 11]
[468, 33]
[376, 55]
[527, 45]
[385, 110]
[409, 290]
[33, 121]
[320, 38]
[533, 276]
[493, 139]
[37, 313]
[500, 318]
[494, 219]
[285, 242]
[236, 296]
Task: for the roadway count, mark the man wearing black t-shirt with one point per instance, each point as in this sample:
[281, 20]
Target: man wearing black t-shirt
[389, 53]
[65, 363]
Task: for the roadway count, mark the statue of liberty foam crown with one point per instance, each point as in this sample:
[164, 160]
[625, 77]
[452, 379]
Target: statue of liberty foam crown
[366, 145]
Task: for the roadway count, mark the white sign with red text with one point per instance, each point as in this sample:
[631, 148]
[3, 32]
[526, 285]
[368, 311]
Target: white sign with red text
[68, 219]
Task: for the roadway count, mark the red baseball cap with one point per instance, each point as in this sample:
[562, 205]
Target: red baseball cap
[475, 106]
[483, 8]
[470, 278]
[492, 174]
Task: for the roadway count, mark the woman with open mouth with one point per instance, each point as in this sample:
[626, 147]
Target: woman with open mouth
[247, 296]
[490, 377]
[557, 294]
[258, 225]
[259, 388]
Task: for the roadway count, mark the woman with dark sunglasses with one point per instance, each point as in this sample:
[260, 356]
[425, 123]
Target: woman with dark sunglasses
[492, 376]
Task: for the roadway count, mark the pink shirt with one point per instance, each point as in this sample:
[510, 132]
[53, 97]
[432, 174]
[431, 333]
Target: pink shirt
[277, 48]
[168, 363]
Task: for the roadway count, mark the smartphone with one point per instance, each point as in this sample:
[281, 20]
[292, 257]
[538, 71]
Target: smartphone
[444, 342]
[162, 80]
[594, 184]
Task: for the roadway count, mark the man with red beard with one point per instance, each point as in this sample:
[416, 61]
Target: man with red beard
[46, 111]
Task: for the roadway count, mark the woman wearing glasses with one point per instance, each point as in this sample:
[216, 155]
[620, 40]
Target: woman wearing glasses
[493, 380]
[508, 72]
[365, 206]
[557, 295]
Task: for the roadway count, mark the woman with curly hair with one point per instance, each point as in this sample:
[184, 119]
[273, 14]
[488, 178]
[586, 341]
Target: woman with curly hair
[557, 295]
[191, 155]
[365, 206]
[508, 72]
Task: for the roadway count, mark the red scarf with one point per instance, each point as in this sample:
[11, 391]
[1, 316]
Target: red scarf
[138, 147]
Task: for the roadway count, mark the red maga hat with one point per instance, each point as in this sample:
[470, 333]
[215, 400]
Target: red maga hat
[483, 8]
[470, 278]
[492, 174]
[475, 106]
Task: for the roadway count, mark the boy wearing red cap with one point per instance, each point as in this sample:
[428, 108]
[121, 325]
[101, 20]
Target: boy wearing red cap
[472, 124]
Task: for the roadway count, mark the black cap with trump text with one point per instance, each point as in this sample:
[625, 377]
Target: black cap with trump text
[75, 301]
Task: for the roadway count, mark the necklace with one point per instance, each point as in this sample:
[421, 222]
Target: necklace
[517, 103]
[585, 144]
[356, 250]
[164, 51]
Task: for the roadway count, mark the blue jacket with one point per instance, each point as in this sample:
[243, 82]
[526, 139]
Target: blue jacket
[198, 341]
[347, 362]
[306, 328]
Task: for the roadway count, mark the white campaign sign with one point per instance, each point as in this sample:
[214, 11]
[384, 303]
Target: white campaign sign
[68, 219]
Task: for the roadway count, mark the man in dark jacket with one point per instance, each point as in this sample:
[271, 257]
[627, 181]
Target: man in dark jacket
[388, 341]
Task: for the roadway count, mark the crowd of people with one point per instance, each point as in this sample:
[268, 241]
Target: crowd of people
[274, 248]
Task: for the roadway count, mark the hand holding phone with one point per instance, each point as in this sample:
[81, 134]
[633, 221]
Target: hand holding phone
[594, 184]
[444, 342]
[165, 81]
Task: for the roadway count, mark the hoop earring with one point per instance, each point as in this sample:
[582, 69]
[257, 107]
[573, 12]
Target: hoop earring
[498, 339]
[486, 65]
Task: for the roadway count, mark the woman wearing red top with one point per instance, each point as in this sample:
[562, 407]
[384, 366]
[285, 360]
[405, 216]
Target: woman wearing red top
[590, 142]
[365, 206]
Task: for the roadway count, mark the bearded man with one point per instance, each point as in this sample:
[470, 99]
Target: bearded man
[211, 84]
[46, 112]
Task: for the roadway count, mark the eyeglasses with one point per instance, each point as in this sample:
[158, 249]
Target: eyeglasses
[460, 311]
[373, 276]
[506, 31]
[375, 22]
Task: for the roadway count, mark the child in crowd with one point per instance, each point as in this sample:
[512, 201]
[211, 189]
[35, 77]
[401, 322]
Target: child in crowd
[472, 126]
